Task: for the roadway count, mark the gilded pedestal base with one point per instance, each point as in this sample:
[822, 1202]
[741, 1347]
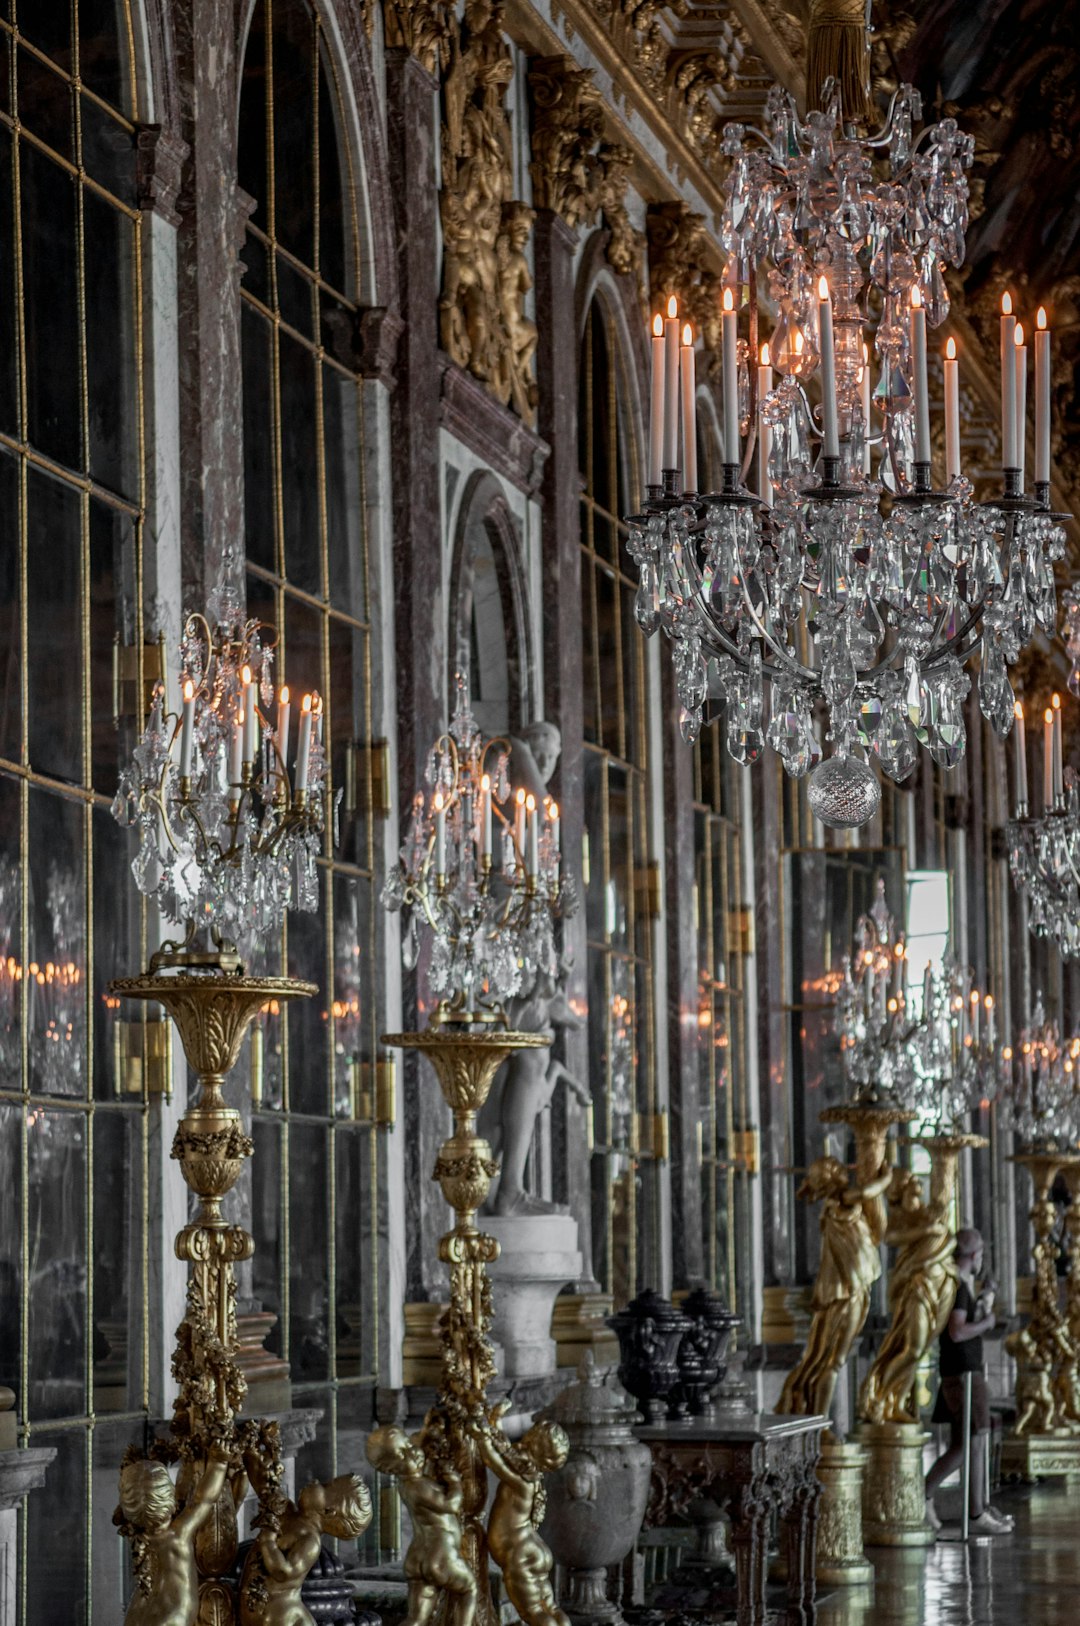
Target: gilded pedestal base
[894, 1495]
[840, 1558]
[1041, 1456]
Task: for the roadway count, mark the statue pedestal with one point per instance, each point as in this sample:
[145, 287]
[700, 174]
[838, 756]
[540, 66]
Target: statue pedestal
[894, 1493]
[1032, 1457]
[840, 1557]
[538, 1254]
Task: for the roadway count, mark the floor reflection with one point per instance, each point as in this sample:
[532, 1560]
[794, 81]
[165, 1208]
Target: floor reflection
[1031, 1576]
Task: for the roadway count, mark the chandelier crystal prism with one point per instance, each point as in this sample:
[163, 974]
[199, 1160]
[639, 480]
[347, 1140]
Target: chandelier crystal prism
[843, 584]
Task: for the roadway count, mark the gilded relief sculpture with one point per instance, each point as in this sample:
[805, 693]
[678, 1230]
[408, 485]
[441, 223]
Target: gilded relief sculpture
[486, 279]
[852, 1228]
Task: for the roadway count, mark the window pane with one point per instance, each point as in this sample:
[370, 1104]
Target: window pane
[56, 1192]
[54, 626]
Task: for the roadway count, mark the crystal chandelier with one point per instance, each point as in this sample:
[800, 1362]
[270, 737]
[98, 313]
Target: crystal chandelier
[228, 839]
[1044, 849]
[1040, 1095]
[843, 583]
[937, 1053]
[480, 870]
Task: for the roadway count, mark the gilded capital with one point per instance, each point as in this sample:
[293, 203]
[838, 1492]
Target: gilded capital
[421, 27]
[567, 125]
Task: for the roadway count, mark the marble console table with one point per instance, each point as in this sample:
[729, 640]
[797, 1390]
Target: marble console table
[755, 1468]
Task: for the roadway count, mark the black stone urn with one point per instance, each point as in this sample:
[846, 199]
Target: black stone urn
[650, 1330]
[702, 1355]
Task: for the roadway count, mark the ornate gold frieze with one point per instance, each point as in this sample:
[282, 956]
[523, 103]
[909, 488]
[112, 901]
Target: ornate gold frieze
[486, 276]
[421, 27]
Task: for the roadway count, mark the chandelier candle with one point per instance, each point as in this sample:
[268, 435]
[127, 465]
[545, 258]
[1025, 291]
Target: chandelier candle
[864, 401]
[187, 729]
[656, 420]
[1059, 781]
[952, 414]
[830, 446]
[920, 385]
[1020, 748]
[1042, 406]
[236, 752]
[1048, 761]
[1021, 399]
[303, 749]
[671, 386]
[688, 380]
[764, 385]
[283, 712]
[731, 379]
[1008, 383]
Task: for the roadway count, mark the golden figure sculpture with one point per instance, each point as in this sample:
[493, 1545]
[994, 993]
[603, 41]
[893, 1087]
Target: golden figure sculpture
[922, 1288]
[163, 1539]
[433, 1562]
[515, 281]
[514, 1541]
[281, 1558]
[852, 1227]
[1034, 1395]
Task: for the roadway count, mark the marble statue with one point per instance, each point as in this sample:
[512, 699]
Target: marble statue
[281, 1558]
[163, 1539]
[433, 1563]
[851, 1234]
[922, 1288]
[516, 1513]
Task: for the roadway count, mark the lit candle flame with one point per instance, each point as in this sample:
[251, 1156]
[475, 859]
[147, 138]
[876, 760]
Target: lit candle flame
[729, 300]
[950, 349]
[688, 336]
[916, 297]
[283, 698]
[658, 326]
[246, 676]
[1018, 336]
[1040, 317]
[485, 782]
[822, 288]
[553, 811]
[1055, 701]
[1018, 709]
[765, 362]
[306, 706]
[1048, 716]
[1006, 304]
[673, 307]
[189, 689]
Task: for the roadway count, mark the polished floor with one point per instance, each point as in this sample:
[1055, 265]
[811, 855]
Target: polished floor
[1029, 1578]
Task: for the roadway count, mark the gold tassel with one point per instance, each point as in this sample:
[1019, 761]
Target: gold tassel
[836, 48]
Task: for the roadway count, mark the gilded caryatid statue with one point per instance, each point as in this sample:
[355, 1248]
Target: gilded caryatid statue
[163, 1536]
[852, 1226]
[922, 1287]
[434, 1565]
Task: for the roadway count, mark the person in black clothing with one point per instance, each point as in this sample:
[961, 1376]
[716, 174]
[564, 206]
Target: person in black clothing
[961, 1351]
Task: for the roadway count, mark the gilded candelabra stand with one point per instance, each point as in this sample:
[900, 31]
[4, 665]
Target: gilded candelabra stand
[488, 915]
[1046, 1435]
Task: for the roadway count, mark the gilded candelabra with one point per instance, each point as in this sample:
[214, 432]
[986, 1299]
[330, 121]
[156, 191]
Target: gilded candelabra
[490, 921]
[192, 1572]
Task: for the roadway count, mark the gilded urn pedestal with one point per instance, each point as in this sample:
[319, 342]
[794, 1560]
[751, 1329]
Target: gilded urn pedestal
[841, 1470]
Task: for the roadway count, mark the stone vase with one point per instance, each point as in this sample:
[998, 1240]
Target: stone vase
[650, 1330]
[596, 1501]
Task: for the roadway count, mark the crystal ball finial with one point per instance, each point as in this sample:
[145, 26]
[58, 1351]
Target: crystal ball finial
[843, 793]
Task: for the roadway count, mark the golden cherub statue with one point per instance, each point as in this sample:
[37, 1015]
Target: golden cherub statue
[281, 1558]
[163, 1539]
[922, 1288]
[517, 1511]
[433, 1562]
[1035, 1404]
[851, 1233]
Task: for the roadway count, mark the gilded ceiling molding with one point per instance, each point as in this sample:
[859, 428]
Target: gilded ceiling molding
[575, 172]
[486, 276]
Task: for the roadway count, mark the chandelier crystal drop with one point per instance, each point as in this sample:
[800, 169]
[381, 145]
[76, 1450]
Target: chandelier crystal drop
[843, 583]
[481, 871]
[228, 838]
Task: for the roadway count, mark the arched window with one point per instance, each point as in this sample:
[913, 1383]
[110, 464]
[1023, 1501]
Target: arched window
[74, 1112]
[618, 881]
[322, 1088]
